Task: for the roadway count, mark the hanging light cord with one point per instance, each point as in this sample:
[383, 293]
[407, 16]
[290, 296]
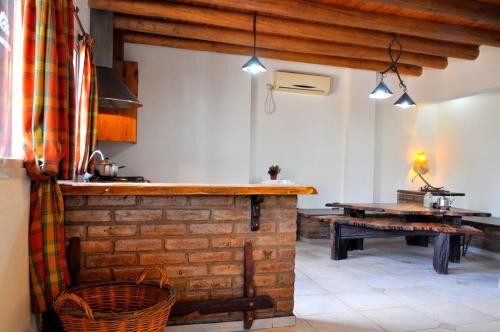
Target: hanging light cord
[270, 105]
[254, 32]
[394, 59]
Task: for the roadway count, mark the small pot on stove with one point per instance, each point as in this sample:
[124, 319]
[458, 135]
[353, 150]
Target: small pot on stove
[107, 168]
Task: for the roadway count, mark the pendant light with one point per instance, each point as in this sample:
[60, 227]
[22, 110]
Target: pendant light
[254, 66]
[405, 101]
[381, 91]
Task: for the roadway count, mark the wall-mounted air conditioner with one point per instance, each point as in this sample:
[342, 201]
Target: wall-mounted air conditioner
[302, 83]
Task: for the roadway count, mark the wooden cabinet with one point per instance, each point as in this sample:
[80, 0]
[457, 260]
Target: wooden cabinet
[120, 125]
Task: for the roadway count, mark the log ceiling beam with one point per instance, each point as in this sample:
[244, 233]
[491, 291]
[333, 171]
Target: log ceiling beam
[285, 27]
[363, 37]
[328, 14]
[141, 38]
[467, 11]
[265, 41]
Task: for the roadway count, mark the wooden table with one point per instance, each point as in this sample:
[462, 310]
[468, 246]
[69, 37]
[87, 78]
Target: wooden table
[413, 221]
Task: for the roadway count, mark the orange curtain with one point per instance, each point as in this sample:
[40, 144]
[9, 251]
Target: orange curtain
[49, 127]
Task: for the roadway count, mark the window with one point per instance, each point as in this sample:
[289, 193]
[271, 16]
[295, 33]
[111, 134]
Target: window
[10, 79]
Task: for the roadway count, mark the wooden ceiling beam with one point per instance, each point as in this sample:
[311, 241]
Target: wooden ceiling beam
[198, 45]
[284, 27]
[329, 14]
[265, 41]
[363, 37]
[464, 10]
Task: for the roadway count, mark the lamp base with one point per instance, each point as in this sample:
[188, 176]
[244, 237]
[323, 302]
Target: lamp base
[431, 188]
[428, 186]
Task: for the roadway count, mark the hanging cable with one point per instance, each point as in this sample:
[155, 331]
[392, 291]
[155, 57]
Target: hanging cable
[270, 105]
[394, 59]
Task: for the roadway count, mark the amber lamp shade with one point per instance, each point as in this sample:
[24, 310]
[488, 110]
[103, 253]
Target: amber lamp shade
[421, 165]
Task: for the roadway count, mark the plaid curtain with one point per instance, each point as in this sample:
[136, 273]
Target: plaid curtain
[49, 127]
[86, 117]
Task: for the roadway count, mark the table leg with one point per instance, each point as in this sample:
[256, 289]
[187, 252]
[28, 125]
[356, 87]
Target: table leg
[455, 248]
[340, 246]
[441, 253]
[454, 239]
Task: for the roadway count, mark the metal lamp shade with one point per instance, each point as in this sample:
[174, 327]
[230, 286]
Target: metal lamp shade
[381, 91]
[421, 164]
[254, 66]
[405, 101]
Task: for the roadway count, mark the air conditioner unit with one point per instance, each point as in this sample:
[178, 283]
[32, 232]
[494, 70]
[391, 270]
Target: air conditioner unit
[302, 83]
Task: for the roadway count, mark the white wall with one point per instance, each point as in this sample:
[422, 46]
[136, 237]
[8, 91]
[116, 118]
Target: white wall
[306, 135]
[195, 122]
[459, 135]
[203, 120]
[15, 310]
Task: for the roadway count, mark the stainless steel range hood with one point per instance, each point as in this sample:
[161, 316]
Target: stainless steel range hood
[113, 93]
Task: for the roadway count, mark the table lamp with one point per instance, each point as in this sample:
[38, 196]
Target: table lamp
[421, 167]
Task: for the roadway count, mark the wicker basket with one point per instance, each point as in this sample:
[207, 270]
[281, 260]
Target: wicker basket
[117, 305]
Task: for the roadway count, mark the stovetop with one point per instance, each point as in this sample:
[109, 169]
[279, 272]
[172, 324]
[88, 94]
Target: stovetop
[97, 178]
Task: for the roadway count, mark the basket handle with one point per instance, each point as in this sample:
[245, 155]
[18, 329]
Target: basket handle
[75, 299]
[164, 280]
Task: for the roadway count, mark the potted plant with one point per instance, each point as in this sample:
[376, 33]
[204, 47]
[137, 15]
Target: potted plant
[274, 171]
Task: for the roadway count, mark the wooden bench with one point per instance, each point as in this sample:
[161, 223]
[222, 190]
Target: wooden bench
[310, 228]
[349, 232]
[490, 239]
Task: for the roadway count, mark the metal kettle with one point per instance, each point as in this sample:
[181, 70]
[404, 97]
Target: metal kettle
[444, 203]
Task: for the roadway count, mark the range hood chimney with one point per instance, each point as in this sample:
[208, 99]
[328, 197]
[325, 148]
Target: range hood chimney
[113, 93]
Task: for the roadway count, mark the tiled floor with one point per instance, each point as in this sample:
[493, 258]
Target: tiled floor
[392, 287]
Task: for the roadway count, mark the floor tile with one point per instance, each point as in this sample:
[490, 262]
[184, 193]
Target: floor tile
[415, 296]
[308, 287]
[367, 300]
[481, 327]
[319, 272]
[318, 304]
[300, 276]
[439, 329]
[466, 292]
[400, 319]
[300, 326]
[342, 284]
[489, 306]
[342, 322]
[454, 313]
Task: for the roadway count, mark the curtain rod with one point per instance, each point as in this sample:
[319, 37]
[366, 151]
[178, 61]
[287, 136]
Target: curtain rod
[77, 10]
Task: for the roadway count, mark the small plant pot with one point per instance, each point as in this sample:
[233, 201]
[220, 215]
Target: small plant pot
[274, 176]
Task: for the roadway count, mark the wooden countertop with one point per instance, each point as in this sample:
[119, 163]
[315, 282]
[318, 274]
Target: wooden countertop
[171, 189]
[409, 209]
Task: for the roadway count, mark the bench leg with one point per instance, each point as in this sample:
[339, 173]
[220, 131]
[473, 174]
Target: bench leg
[355, 244]
[455, 248]
[441, 253]
[340, 246]
[417, 240]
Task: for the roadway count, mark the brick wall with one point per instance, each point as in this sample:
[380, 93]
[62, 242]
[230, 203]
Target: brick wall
[199, 239]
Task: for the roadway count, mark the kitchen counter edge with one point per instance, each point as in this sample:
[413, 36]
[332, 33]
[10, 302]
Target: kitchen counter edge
[70, 188]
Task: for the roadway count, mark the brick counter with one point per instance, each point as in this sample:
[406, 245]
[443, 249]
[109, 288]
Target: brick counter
[199, 239]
